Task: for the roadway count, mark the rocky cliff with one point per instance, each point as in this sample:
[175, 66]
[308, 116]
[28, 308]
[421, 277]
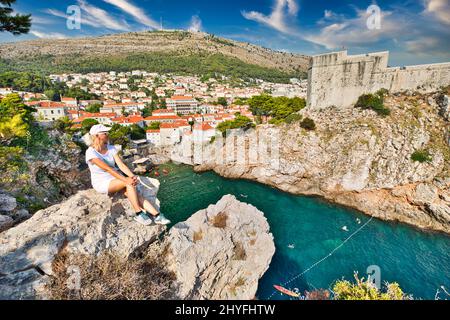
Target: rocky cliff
[48, 172]
[359, 159]
[218, 253]
[87, 223]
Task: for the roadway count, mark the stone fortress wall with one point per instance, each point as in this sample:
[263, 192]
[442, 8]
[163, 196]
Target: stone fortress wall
[338, 79]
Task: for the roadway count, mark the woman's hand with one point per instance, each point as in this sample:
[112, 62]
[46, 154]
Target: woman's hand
[132, 181]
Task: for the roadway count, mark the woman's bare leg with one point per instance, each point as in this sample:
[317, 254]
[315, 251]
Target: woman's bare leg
[131, 193]
[147, 205]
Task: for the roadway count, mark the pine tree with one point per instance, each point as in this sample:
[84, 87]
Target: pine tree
[17, 24]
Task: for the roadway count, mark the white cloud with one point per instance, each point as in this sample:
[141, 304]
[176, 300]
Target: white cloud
[50, 35]
[282, 10]
[40, 20]
[95, 14]
[345, 32]
[196, 24]
[328, 14]
[440, 9]
[85, 19]
[135, 12]
[94, 17]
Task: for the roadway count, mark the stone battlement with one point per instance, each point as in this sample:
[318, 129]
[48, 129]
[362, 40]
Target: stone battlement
[338, 79]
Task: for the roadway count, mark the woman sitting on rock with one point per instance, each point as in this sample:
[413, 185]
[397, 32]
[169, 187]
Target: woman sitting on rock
[102, 158]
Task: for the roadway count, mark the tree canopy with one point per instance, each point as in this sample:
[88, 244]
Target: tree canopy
[279, 108]
[239, 122]
[15, 24]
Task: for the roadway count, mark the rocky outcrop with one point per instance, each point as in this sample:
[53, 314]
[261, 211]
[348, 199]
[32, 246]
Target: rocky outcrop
[10, 213]
[86, 223]
[7, 202]
[220, 252]
[5, 222]
[48, 175]
[359, 159]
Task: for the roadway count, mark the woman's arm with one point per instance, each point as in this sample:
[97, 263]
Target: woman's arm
[122, 166]
[102, 165]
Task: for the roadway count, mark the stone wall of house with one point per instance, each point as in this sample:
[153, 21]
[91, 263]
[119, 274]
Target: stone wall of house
[338, 79]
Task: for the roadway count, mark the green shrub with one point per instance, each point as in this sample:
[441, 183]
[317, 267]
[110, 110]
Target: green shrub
[63, 124]
[119, 135]
[293, 118]
[374, 102]
[87, 124]
[279, 108]
[421, 156]
[364, 290]
[154, 125]
[136, 132]
[239, 122]
[308, 124]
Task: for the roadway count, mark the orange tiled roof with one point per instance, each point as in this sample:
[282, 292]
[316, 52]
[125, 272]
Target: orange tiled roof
[130, 119]
[174, 117]
[51, 104]
[174, 125]
[181, 98]
[203, 126]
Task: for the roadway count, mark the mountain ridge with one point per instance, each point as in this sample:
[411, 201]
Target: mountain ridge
[181, 43]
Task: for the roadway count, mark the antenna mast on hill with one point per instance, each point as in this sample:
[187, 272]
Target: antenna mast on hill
[161, 24]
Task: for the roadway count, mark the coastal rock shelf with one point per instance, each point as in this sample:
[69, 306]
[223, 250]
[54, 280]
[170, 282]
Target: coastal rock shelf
[220, 252]
[86, 223]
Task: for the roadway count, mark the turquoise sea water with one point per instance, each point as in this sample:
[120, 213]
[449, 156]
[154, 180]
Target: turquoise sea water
[419, 261]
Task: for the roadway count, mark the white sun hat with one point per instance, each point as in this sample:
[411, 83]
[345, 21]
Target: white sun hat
[98, 128]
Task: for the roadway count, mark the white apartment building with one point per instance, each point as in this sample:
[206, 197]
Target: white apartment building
[203, 132]
[182, 104]
[154, 136]
[50, 111]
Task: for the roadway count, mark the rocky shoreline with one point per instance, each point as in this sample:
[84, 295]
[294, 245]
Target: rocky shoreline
[360, 160]
[423, 205]
[218, 253]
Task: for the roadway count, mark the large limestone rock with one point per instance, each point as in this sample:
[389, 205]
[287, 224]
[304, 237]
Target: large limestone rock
[86, 223]
[5, 222]
[220, 252]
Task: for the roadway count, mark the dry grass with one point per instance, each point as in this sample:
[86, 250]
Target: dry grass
[320, 294]
[239, 252]
[220, 220]
[239, 283]
[198, 235]
[108, 277]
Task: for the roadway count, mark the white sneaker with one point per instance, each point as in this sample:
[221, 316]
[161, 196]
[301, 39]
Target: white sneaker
[143, 219]
[160, 219]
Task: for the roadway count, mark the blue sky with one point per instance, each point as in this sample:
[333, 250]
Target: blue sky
[414, 32]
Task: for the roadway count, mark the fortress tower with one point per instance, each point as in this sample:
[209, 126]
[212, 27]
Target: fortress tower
[337, 79]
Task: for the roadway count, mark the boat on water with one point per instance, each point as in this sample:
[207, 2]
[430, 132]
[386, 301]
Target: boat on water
[286, 291]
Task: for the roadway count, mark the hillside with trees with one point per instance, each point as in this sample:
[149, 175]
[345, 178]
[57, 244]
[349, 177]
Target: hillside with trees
[155, 51]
